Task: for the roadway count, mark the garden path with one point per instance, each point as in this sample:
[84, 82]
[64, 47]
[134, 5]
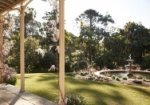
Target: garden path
[10, 95]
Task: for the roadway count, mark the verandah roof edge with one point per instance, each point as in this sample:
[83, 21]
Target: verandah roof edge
[7, 5]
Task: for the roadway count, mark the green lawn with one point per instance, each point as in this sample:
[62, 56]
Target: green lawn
[46, 85]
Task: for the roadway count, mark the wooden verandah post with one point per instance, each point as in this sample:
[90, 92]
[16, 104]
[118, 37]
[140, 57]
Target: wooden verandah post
[61, 54]
[22, 29]
[22, 65]
[1, 49]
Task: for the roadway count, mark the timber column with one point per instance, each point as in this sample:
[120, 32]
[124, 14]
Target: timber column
[61, 54]
[22, 31]
[22, 47]
[1, 49]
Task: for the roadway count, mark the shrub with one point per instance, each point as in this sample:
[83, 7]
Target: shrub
[145, 62]
[68, 67]
[83, 73]
[124, 78]
[113, 77]
[83, 64]
[79, 65]
[12, 80]
[144, 80]
[9, 75]
[130, 75]
[139, 77]
[117, 79]
[137, 82]
[75, 100]
[105, 60]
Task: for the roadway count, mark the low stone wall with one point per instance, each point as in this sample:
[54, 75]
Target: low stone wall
[123, 71]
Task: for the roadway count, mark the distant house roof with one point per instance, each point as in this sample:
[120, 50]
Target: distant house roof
[6, 5]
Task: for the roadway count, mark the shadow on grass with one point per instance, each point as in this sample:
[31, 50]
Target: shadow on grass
[26, 76]
[54, 76]
[50, 86]
[48, 95]
[101, 98]
[47, 77]
[142, 91]
[81, 87]
[51, 79]
[97, 96]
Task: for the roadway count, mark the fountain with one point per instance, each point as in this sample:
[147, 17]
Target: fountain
[130, 65]
[131, 75]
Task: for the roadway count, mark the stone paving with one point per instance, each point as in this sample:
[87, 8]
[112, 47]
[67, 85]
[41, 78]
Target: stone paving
[10, 95]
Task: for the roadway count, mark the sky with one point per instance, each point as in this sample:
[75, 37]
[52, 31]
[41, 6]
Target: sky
[122, 11]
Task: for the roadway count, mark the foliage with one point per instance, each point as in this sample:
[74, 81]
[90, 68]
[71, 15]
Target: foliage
[94, 45]
[31, 55]
[117, 79]
[83, 73]
[12, 80]
[124, 78]
[32, 27]
[139, 40]
[133, 39]
[80, 65]
[145, 62]
[9, 75]
[105, 60]
[75, 100]
[71, 45]
[48, 60]
[37, 46]
[83, 64]
[91, 33]
[68, 67]
[51, 25]
[139, 82]
[12, 59]
[117, 48]
[113, 77]
[11, 24]
[130, 75]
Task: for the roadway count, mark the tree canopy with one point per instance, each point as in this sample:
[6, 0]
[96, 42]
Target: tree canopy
[95, 45]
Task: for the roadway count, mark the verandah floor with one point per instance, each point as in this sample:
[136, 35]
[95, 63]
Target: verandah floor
[10, 95]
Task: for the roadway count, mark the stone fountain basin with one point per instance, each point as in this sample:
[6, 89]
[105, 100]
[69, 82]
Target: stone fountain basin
[124, 73]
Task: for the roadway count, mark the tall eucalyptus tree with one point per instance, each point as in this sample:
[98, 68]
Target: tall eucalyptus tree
[92, 31]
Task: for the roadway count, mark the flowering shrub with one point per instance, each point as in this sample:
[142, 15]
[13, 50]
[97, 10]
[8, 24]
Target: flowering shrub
[75, 100]
[9, 75]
